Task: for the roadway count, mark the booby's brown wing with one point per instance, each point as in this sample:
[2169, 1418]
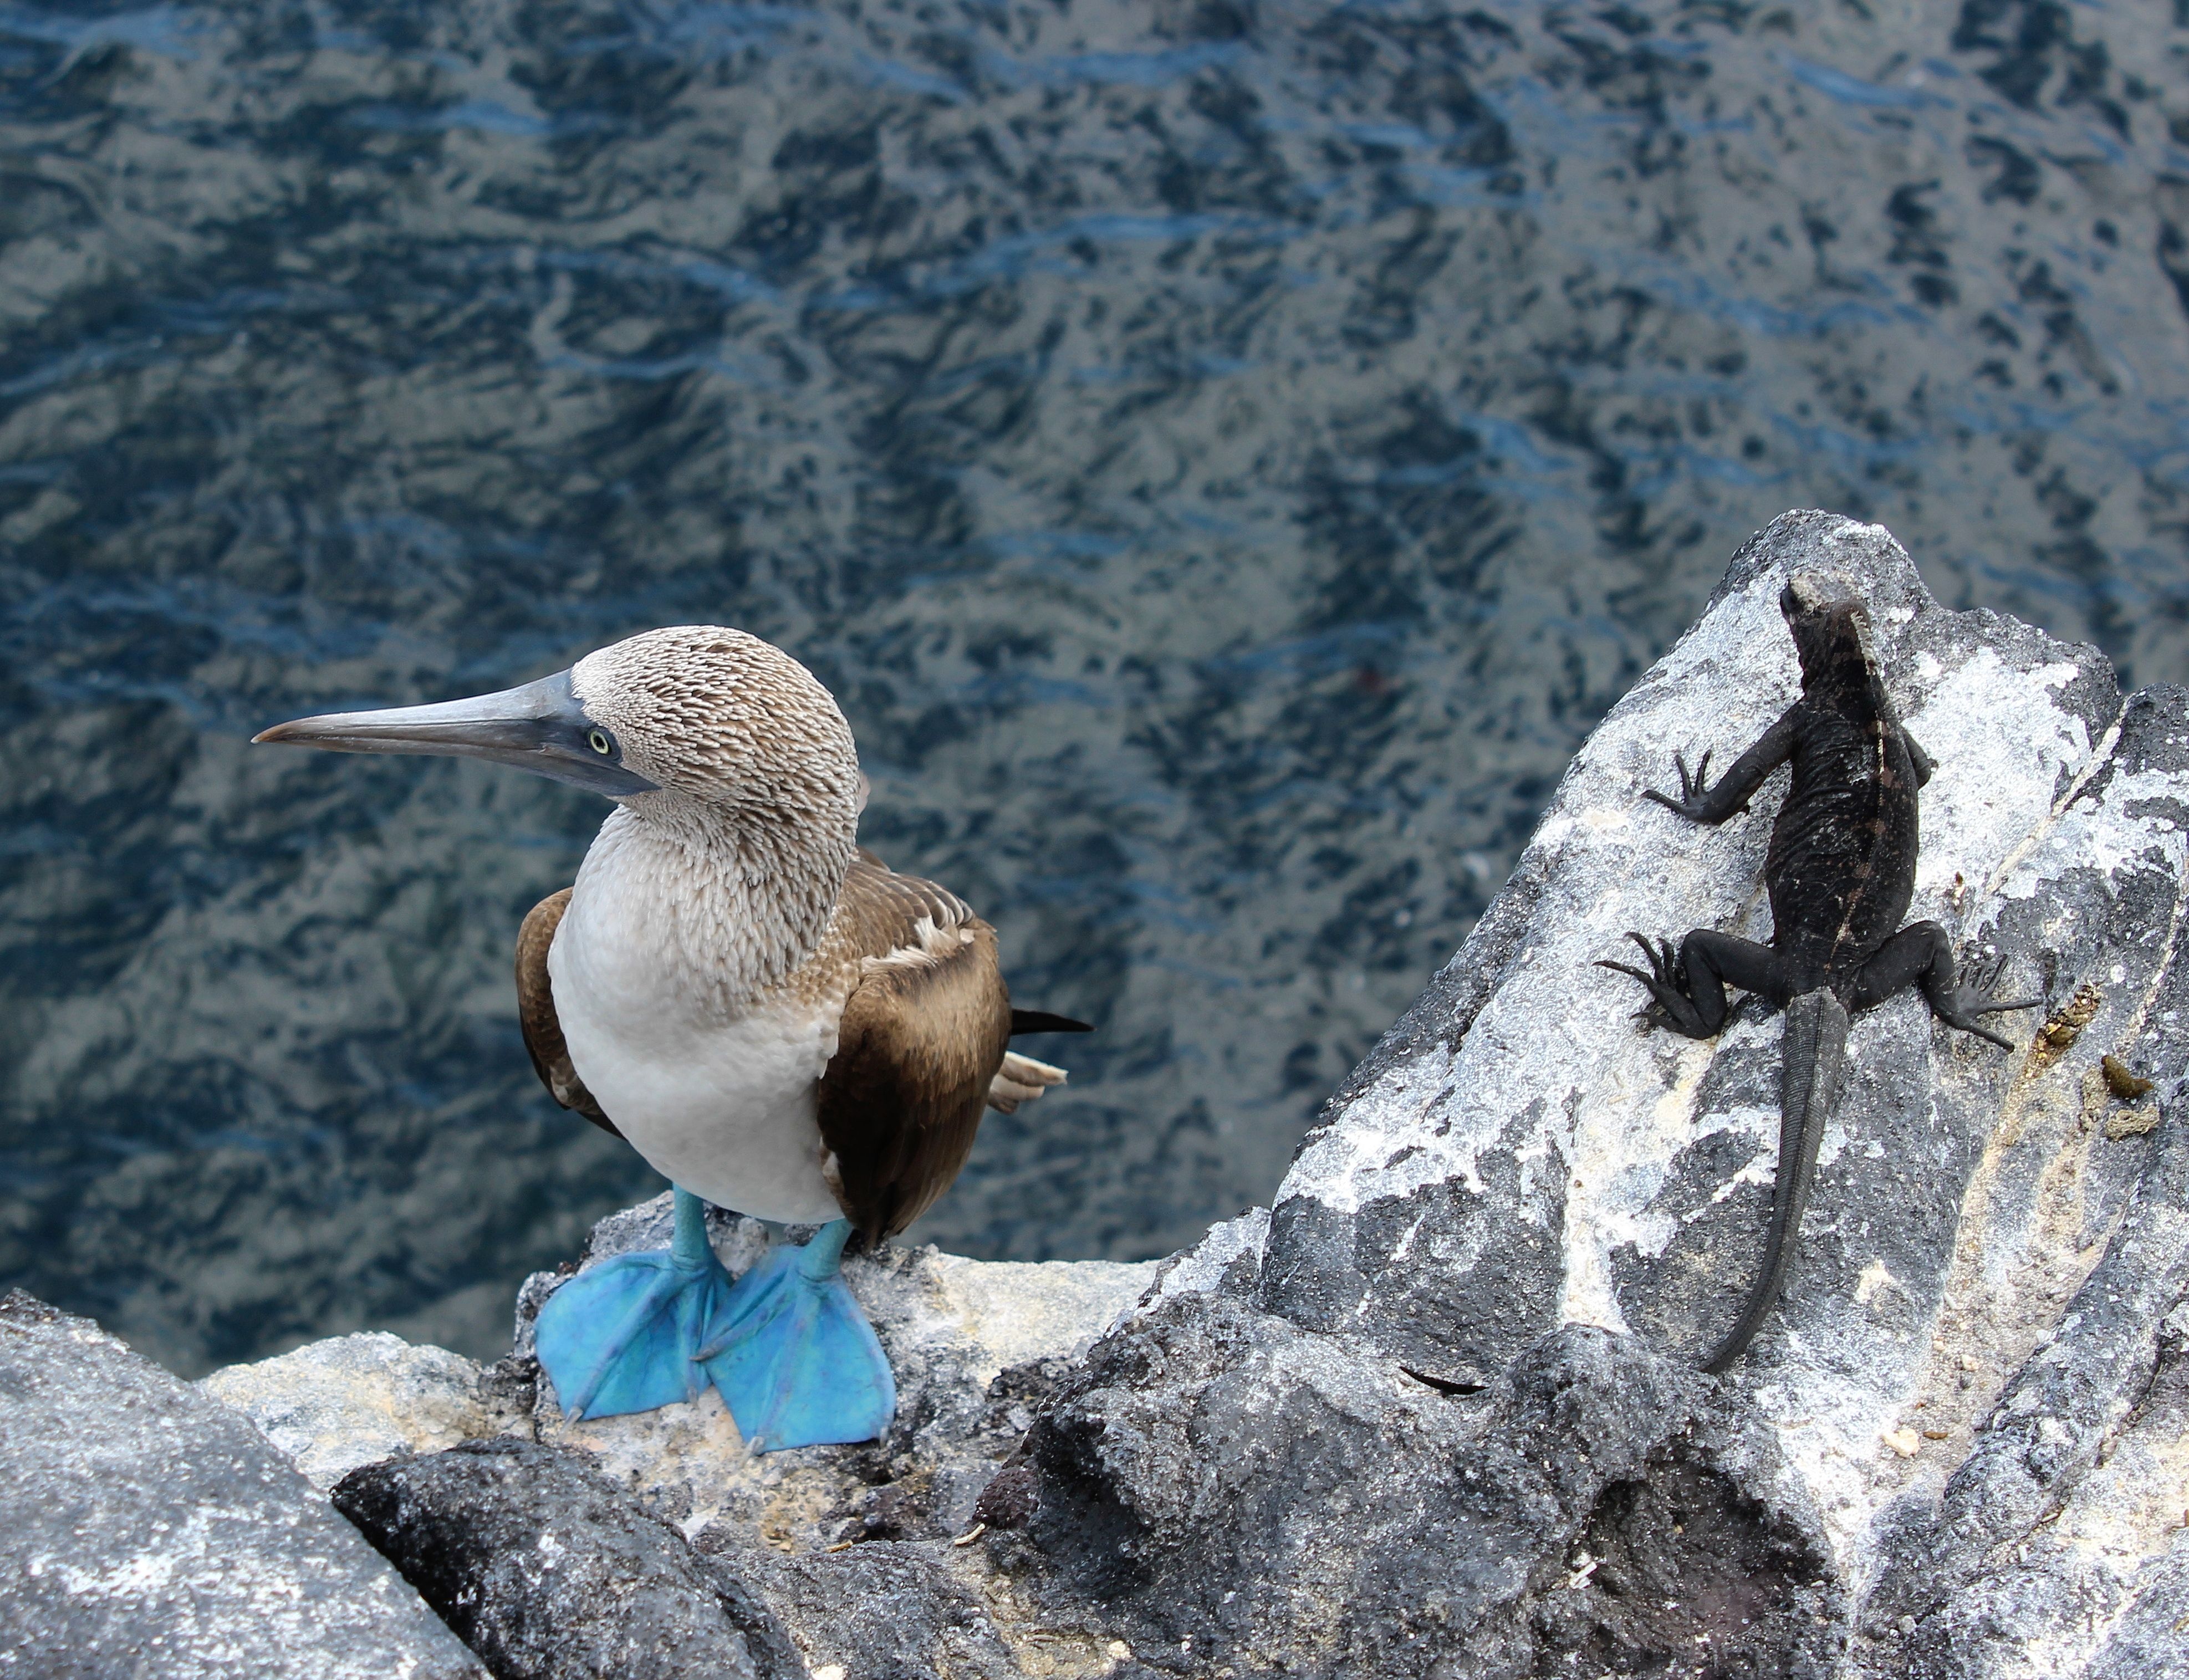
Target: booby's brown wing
[535, 1013]
[922, 1037]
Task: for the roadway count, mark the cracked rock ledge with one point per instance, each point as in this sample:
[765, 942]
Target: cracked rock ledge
[1435, 1413]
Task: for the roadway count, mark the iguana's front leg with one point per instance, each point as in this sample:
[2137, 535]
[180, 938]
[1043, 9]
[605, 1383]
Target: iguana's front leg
[1688, 988]
[1699, 802]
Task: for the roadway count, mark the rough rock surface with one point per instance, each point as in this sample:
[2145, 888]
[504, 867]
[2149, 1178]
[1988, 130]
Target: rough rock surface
[351, 1400]
[890, 1607]
[1441, 1402]
[1436, 1413]
[975, 1347]
[549, 1572]
[147, 1529]
[973, 1344]
[1237, 1493]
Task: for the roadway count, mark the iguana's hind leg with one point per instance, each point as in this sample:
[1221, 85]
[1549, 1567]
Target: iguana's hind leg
[1921, 954]
[1687, 990]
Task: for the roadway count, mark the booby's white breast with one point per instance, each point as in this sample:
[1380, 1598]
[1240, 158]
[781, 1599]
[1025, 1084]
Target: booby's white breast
[719, 1099]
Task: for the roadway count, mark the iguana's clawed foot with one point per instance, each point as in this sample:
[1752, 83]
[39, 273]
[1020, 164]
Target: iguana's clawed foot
[1694, 790]
[1971, 998]
[1668, 982]
[1694, 784]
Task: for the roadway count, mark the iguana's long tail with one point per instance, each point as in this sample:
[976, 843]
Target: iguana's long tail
[1815, 1055]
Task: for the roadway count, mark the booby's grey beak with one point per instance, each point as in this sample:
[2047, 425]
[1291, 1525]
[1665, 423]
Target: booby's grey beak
[540, 727]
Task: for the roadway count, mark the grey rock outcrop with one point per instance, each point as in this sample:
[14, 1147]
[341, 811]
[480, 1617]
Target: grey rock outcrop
[1238, 1493]
[351, 1400]
[847, 1549]
[887, 1608]
[974, 1345]
[1436, 1413]
[1440, 1401]
[147, 1529]
[549, 1572]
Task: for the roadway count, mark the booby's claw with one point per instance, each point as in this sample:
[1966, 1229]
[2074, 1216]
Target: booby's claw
[624, 1336]
[794, 1354]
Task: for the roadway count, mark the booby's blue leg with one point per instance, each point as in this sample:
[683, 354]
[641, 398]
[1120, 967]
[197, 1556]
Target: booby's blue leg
[795, 1355]
[624, 1335]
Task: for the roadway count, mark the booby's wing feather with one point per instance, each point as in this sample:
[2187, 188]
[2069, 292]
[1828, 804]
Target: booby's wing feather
[535, 1013]
[922, 1037]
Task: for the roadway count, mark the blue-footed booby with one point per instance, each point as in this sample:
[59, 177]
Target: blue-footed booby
[778, 1022]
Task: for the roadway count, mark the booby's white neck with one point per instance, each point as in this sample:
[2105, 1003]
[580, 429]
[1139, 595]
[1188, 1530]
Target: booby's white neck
[724, 905]
[682, 985]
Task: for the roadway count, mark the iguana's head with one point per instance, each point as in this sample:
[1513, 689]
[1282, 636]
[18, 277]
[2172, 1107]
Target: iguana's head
[1829, 625]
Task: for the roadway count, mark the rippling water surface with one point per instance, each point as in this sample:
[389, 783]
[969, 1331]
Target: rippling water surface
[1223, 456]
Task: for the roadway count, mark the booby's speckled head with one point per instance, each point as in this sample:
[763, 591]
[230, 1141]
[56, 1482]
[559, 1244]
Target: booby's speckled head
[696, 712]
[724, 718]
[1828, 623]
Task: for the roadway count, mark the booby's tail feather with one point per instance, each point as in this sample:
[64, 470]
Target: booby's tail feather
[1021, 1079]
[623, 1335]
[1041, 1020]
[794, 1356]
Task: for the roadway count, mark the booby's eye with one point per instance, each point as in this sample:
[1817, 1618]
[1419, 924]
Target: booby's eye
[597, 740]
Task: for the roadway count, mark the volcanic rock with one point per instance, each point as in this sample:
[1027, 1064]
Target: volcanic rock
[147, 1529]
[1437, 1413]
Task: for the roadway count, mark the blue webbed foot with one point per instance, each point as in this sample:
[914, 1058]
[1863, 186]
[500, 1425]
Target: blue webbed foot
[624, 1335]
[794, 1356]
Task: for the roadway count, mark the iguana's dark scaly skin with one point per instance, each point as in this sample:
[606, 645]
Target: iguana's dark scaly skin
[1840, 872]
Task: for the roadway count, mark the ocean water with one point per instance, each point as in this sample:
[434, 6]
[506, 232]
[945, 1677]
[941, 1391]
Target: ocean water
[1223, 456]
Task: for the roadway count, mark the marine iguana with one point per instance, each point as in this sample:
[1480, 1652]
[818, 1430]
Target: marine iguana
[1840, 872]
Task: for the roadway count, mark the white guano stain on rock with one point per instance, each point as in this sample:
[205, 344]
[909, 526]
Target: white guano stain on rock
[1991, 788]
[2026, 1243]
[1201, 1269]
[354, 1399]
[690, 1451]
[2110, 832]
[1017, 1311]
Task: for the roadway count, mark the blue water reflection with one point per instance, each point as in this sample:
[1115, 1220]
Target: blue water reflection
[1223, 456]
